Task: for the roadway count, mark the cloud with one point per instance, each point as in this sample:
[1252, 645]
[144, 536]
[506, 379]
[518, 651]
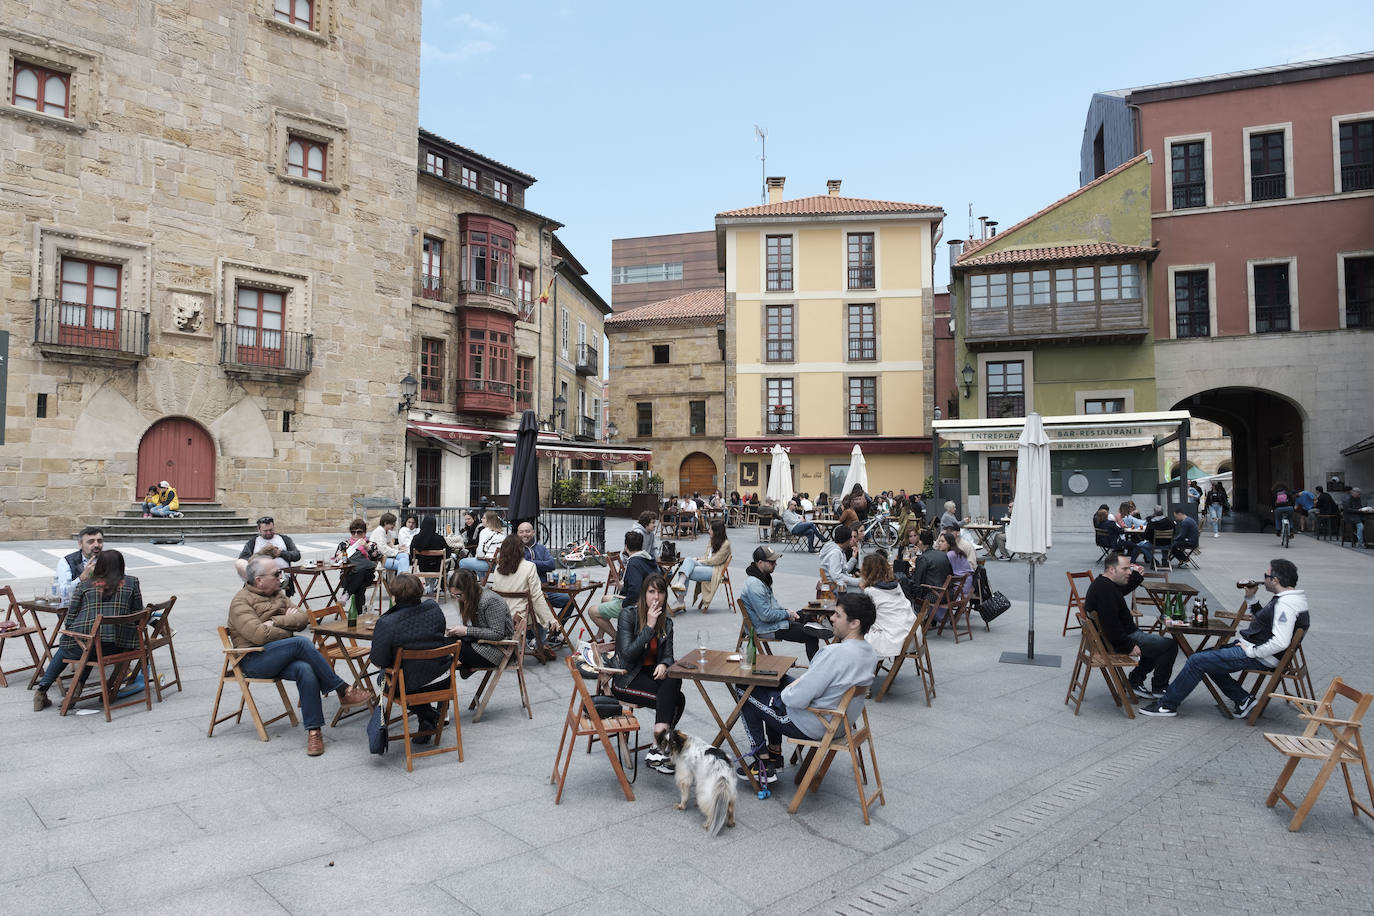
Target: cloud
[472, 23]
[462, 51]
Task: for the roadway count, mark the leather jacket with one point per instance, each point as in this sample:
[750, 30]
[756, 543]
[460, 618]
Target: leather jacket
[632, 646]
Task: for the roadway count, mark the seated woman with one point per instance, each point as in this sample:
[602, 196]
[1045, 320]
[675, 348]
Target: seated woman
[428, 538]
[109, 592]
[489, 539]
[413, 622]
[708, 570]
[485, 616]
[360, 556]
[1110, 531]
[908, 549]
[644, 648]
[397, 559]
[469, 531]
[151, 500]
[895, 616]
[513, 573]
[961, 560]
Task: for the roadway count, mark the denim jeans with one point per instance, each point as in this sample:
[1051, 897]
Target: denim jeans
[399, 563]
[1157, 654]
[1280, 514]
[695, 571]
[1216, 664]
[297, 659]
[809, 531]
[160, 511]
[480, 567]
[61, 656]
[1214, 513]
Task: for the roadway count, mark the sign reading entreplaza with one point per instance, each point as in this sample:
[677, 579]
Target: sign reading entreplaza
[1071, 433]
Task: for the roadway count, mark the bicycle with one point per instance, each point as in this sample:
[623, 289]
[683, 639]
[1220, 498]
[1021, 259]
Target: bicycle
[880, 530]
[1283, 524]
[1286, 531]
[579, 553]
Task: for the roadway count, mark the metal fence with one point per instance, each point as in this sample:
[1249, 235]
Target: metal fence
[556, 526]
[93, 327]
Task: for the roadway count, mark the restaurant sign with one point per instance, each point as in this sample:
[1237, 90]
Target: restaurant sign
[1077, 438]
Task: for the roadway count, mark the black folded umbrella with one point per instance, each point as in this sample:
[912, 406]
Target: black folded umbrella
[524, 477]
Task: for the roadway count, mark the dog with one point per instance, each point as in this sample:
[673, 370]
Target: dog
[695, 761]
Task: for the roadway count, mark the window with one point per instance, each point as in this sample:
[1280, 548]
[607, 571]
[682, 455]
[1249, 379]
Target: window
[467, 177]
[259, 321]
[581, 335]
[1083, 284]
[1001, 482]
[1006, 389]
[432, 269]
[661, 354]
[778, 404]
[524, 381]
[527, 285]
[1030, 287]
[1268, 179]
[778, 333]
[488, 258]
[486, 352]
[644, 418]
[646, 273]
[500, 190]
[1188, 167]
[861, 275]
[1357, 155]
[988, 291]
[863, 405]
[306, 158]
[696, 422]
[431, 369]
[41, 89]
[1104, 405]
[41, 407]
[563, 334]
[296, 12]
[1191, 306]
[435, 164]
[863, 338]
[563, 414]
[1272, 312]
[779, 262]
[1359, 292]
[89, 314]
[286, 421]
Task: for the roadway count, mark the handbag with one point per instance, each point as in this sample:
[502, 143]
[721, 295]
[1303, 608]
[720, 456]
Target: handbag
[993, 607]
[377, 737]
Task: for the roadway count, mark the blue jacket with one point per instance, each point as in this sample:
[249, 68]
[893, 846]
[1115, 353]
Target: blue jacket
[1186, 533]
[539, 555]
[765, 614]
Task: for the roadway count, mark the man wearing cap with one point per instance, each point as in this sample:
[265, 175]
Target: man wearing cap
[267, 542]
[770, 619]
[167, 504]
[836, 560]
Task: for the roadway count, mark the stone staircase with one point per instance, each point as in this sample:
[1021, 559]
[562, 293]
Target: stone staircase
[200, 522]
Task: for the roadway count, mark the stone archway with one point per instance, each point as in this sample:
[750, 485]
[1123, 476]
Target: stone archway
[180, 451]
[1267, 441]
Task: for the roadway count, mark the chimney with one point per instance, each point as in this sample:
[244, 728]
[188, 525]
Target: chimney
[956, 248]
[983, 228]
[992, 228]
[775, 189]
[832, 187]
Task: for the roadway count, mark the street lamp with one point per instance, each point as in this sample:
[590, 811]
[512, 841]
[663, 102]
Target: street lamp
[408, 388]
[612, 431]
[967, 374]
[560, 404]
[935, 455]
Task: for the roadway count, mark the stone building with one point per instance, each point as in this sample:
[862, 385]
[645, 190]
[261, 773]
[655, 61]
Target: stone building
[206, 216]
[668, 362]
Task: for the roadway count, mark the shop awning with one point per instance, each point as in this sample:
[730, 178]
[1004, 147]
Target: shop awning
[1363, 445]
[547, 444]
[811, 445]
[1085, 432]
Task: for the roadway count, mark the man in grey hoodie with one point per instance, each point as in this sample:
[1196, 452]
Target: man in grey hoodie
[1263, 641]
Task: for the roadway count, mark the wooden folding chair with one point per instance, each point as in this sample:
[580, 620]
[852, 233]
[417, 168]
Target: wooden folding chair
[1075, 597]
[1159, 544]
[93, 656]
[916, 648]
[615, 572]
[744, 624]
[957, 608]
[512, 650]
[1190, 555]
[729, 591]
[823, 750]
[1290, 674]
[1093, 655]
[1345, 747]
[1141, 597]
[230, 671]
[583, 720]
[1105, 541]
[446, 695]
[440, 590]
[354, 655]
[160, 635]
[21, 625]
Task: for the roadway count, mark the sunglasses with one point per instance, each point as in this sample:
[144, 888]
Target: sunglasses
[1268, 575]
[266, 520]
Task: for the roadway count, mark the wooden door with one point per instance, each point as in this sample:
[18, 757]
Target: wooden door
[179, 451]
[697, 475]
[1001, 485]
[429, 463]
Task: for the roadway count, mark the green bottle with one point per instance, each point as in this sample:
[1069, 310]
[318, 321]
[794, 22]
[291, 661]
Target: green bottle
[353, 611]
[751, 650]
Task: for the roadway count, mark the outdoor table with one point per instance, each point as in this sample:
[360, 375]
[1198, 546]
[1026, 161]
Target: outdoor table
[47, 637]
[819, 609]
[339, 630]
[826, 526]
[1211, 630]
[1164, 592]
[579, 601]
[720, 669]
[984, 532]
[305, 578]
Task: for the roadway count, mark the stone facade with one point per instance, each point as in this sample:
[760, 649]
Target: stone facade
[170, 164]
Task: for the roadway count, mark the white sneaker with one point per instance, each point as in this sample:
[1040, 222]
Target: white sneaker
[1216, 534]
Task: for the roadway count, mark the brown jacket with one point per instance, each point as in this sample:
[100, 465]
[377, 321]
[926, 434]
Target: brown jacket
[256, 619]
[719, 563]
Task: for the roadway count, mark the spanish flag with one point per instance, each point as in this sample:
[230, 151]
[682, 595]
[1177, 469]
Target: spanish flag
[544, 297]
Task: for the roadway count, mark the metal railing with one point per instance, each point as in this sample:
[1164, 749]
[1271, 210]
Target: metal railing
[485, 386]
[1359, 313]
[1189, 325]
[526, 309]
[778, 350]
[77, 324]
[861, 277]
[557, 526]
[779, 279]
[524, 399]
[1357, 177]
[288, 350]
[587, 428]
[863, 348]
[1269, 187]
[431, 287]
[780, 423]
[863, 421]
[1270, 318]
[586, 359]
[1190, 194]
[486, 288]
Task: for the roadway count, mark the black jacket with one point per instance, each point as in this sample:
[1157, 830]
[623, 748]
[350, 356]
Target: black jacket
[637, 568]
[632, 646]
[1107, 600]
[411, 626]
[428, 538]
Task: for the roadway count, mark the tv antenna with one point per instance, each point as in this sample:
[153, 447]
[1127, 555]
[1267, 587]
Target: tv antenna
[762, 134]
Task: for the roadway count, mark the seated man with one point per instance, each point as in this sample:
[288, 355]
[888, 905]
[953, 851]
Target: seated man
[771, 713]
[770, 619]
[277, 547]
[1106, 599]
[647, 526]
[1354, 514]
[795, 523]
[1303, 504]
[169, 505]
[1160, 523]
[1264, 640]
[638, 567]
[1326, 506]
[260, 615]
[929, 571]
[78, 564]
[1185, 537]
[397, 559]
[543, 562]
[836, 558]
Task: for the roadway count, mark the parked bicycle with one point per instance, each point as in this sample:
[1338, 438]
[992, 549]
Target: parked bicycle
[579, 553]
[880, 530]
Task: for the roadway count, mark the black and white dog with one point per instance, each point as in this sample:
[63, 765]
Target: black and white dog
[695, 761]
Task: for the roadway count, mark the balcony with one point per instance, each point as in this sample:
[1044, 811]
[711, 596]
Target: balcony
[779, 279]
[264, 355]
[1357, 177]
[863, 348]
[779, 421]
[586, 429]
[1190, 194]
[1009, 327]
[487, 295]
[478, 395]
[524, 399]
[863, 421]
[75, 332]
[586, 360]
[1359, 313]
[1269, 187]
[526, 310]
[778, 350]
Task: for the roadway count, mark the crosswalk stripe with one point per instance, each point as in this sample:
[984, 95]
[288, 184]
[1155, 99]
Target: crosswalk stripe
[21, 567]
[196, 553]
[53, 551]
[145, 555]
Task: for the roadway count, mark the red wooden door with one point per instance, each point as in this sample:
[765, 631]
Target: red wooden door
[180, 452]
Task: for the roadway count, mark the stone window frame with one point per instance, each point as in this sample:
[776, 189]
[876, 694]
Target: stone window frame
[765, 339]
[1172, 291]
[1205, 138]
[848, 331]
[287, 125]
[1125, 395]
[80, 67]
[1341, 292]
[1336, 122]
[873, 411]
[1286, 128]
[322, 14]
[52, 244]
[298, 287]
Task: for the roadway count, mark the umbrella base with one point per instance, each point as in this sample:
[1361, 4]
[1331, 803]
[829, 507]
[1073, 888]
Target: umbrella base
[1021, 658]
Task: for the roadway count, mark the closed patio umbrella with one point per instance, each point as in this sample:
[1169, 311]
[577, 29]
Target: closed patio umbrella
[524, 476]
[857, 473]
[1028, 534]
[780, 479]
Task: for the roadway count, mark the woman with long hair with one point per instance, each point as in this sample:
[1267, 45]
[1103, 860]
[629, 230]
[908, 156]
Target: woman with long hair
[894, 613]
[103, 590]
[485, 616]
[644, 649]
[960, 563]
[489, 539]
[513, 573]
[429, 538]
[469, 531]
[708, 570]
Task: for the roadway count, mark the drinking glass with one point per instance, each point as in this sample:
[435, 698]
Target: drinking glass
[701, 648]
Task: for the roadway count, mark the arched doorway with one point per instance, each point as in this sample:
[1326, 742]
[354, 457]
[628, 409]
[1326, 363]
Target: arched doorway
[181, 452]
[1267, 441]
[697, 475]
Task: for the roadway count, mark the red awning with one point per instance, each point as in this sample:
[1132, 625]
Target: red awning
[548, 443]
[800, 445]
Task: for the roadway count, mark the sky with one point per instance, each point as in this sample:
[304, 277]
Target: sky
[638, 119]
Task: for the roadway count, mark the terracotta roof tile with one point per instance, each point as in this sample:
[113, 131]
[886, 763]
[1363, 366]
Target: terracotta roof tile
[1052, 253]
[699, 303]
[822, 204]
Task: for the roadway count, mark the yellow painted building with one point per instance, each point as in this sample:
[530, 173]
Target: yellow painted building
[828, 304]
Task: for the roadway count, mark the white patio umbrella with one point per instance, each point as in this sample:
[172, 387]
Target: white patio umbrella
[858, 473]
[1028, 535]
[780, 480]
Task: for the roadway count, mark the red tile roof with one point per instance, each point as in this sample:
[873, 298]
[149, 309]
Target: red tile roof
[1052, 253]
[699, 303]
[822, 204]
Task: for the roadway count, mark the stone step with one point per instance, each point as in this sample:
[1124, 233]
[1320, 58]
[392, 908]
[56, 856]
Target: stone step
[213, 528]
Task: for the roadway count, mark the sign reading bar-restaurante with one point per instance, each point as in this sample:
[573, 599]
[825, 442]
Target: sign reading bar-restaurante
[1071, 433]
